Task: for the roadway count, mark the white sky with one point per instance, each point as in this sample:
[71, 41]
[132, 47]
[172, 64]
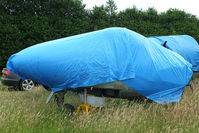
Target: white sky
[190, 6]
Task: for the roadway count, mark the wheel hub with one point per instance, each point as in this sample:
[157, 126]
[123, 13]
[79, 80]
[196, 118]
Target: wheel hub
[27, 84]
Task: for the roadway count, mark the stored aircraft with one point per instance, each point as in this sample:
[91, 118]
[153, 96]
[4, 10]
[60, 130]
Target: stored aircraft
[113, 62]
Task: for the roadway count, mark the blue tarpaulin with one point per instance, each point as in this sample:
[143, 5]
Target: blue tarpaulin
[105, 56]
[184, 45]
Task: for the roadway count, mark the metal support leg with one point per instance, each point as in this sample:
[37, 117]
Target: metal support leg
[49, 97]
[85, 96]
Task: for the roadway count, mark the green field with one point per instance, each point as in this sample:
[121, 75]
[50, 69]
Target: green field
[26, 112]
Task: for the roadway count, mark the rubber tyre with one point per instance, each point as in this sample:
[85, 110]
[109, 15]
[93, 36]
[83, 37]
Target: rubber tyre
[26, 85]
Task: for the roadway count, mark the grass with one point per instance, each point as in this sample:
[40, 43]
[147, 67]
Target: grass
[26, 112]
[4, 88]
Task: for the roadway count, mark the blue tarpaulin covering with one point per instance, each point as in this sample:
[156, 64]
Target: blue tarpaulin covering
[105, 56]
[184, 45]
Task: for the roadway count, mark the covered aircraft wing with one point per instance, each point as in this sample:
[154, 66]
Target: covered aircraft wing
[184, 45]
[105, 56]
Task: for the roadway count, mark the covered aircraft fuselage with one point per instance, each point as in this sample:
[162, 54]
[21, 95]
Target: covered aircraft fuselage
[105, 56]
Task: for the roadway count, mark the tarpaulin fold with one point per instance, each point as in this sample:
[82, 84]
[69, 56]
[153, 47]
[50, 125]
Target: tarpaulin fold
[184, 45]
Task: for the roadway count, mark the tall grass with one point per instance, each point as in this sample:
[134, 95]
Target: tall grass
[27, 112]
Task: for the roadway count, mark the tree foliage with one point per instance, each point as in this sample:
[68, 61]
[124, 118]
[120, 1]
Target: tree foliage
[24, 23]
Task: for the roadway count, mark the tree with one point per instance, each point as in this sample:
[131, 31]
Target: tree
[111, 7]
[111, 11]
[99, 18]
[27, 22]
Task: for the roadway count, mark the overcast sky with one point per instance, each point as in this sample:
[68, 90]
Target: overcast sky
[190, 6]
